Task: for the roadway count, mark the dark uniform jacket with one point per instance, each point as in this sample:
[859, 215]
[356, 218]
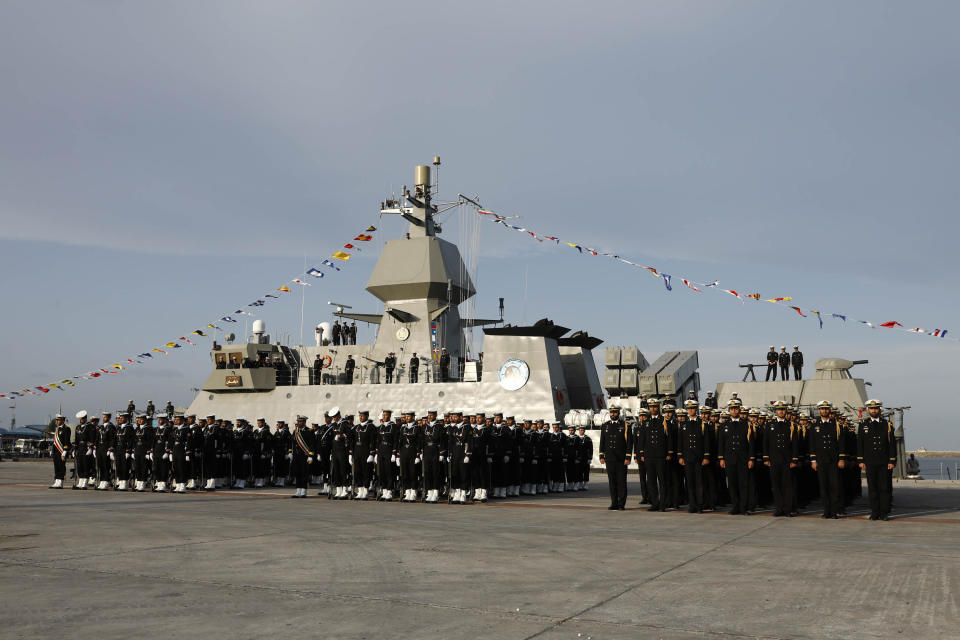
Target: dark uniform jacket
[784, 359]
[826, 442]
[365, 442]
[657, 442]
[781, 443]
[616, 440]
[875, 442]
[735, 442]
[693, 440]
[796, 358]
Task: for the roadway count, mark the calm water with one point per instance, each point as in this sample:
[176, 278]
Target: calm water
[930, 468]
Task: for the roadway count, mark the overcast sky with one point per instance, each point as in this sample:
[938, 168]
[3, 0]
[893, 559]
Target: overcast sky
[163, 164]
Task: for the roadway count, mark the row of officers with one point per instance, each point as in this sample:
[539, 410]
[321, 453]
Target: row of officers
[705, 458]
[455, 457]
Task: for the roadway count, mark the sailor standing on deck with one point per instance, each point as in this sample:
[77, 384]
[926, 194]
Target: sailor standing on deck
[615, 442]
[459, 446]
[61, 449]
[106, 443]
[302, 448]
[386, 457]
[693, 449]
[877, 455]
[80, 450]
[828, 457]
[434, 455]
[736, 453]
[143, 437]
[781, 455]
[365, 451]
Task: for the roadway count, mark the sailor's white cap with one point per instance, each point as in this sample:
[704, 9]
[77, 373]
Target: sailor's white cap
[363, 410]
[259, 418]
[59, 416]
[81, 414]
[824, 404]
[873, 403]
[433, 410]
[333, 411]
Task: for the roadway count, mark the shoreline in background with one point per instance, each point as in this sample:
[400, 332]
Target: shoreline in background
[935, 454]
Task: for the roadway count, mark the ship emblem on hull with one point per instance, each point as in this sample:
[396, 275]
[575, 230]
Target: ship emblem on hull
[513, 374]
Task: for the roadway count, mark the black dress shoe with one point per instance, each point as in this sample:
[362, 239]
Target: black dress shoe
[652, 508]
[885, 517]
[873, 517]
[612, 507]
[734, 512]
[621, 508]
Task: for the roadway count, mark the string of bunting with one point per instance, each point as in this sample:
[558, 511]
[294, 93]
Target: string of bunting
[328, 265]
[701, 287]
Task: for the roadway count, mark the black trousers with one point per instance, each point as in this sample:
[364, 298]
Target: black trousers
[781, 481]
[480, 472]
[432, 470]
[280, 466]
[299, 468]
[103, 464]
[338, 468]
[459, 473]
[675, 481]
[617, 478]
[556, 470]
[771, 370]
[362, 470]
[571, 471]
[828, 477]
[408, 469]
[59, 466]
[385, 468]
[879, 489]
[141, 466]
[389, 375]
[710, 496]
[180, 466]
[694, 471]
[644, 491]
[785, 372]
[413, 375]
[80, 461]
[657, 492]
[161, 467]
[738, 483]
[797, 372]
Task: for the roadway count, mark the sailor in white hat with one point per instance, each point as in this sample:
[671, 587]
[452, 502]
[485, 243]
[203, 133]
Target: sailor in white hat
[61, 449]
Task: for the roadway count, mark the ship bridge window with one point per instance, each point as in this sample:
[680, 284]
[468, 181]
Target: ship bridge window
[221, 360]
[236, 360]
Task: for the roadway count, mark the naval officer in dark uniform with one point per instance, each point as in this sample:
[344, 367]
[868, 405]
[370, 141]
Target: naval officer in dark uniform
[781, 455]
[827, 457]
[877, 455]
[736, 452]
[61, 448]
[615, 442]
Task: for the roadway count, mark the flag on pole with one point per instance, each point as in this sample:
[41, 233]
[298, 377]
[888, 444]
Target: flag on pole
[198, 332]
[301, 282]
[284, 288]
[939, 333]
[687, 282]
[666, 281]
[316, 273]
[818, 317]
[117, 366]
[340, 255]
[370, 229]
[226, 319]
[575, 246]
[891, 324]
[797, 309]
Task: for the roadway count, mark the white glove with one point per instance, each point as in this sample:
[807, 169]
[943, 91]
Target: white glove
[443, 458]
[398, 462]
[350, 458]
[506, 459]
[466, 459]
[416, 460]
[166, 456]
[521, 460]
[188, 458]
[376, 459]
[112, 457]
[246, 456]
[393, 458]
[129, 455]
[489, 460]
[150, 456]
[534, 461]
[289, 456]
[309, 459]
[369, 459]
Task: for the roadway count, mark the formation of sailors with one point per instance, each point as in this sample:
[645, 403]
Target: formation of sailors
[706, 458]
[457, 457]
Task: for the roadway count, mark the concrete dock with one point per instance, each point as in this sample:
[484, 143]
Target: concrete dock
[255, 564]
